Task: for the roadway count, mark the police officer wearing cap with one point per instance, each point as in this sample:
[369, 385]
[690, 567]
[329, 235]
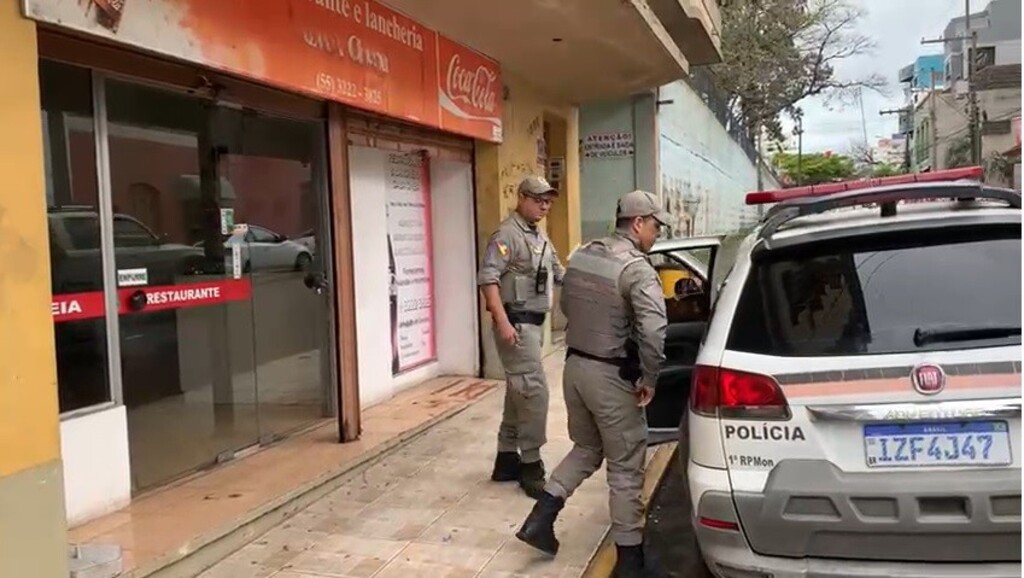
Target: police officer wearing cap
[515, 279]
[613, 303]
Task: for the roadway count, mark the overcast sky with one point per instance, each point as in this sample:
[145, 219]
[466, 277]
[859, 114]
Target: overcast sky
[896, 26]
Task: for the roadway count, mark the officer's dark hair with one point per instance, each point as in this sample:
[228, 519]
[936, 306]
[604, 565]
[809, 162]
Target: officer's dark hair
[621, 223]
[624, 223]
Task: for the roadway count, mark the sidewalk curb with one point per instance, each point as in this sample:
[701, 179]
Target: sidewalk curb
[603, 561]
[204, 551]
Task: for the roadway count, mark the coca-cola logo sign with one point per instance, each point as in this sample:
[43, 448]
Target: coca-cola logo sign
[475, 87]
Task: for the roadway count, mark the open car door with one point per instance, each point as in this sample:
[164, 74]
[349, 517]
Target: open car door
[685, 267]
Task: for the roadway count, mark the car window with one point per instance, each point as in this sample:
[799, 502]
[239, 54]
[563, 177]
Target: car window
[261, 235]
[684, 290]
[875, 295]
[83, 232]
[725, 258]
[129, 233]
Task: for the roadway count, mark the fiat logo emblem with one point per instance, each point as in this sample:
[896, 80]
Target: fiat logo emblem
[928, 379]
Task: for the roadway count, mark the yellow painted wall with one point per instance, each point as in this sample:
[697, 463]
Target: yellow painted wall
[29, 428]
[500, 168]
[564, 222]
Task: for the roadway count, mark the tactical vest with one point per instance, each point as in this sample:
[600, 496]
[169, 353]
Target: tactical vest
[519, 288]
[598, 316]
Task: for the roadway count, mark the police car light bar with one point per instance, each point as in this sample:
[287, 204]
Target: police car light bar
[778, 195]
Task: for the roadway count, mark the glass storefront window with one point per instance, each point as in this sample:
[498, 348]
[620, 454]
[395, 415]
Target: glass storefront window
[73, 220]
[223, 332]
[186, 339]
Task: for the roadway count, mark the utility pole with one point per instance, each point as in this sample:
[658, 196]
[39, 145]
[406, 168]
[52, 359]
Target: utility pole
[906, 139]
[934, 153]
[863, 120]
[799, 131]
[974, 128]
[972, 93]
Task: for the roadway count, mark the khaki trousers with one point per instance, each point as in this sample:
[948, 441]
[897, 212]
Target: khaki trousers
[605, 423]
[525, 417]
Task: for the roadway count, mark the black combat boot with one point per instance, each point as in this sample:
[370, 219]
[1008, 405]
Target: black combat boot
[506, 467]
[629, 562]
[539, 528]
[531, 478]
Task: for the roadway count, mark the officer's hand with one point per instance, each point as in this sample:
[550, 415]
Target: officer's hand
[646, 394]
[508, 333]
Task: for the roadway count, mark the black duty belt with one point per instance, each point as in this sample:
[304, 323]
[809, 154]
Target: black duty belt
[616, 361]
[526, 317]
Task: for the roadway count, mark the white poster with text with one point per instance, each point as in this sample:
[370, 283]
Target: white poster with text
[410, 251]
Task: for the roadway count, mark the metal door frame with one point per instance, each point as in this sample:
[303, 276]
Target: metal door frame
[108, 257]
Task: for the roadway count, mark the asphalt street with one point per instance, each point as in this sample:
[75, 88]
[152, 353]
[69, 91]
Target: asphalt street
[670, 545]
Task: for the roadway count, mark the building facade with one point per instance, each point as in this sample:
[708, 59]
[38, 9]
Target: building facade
[891, 151]
[926, 73]
[674, 141]
[998, 42]
[941, 136]
[237, 218]
[919, 79]
[938, 113]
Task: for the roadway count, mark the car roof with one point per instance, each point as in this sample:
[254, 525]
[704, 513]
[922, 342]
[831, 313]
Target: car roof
[684, 243]
[863, 217]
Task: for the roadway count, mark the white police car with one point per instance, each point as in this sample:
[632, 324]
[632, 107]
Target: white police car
[856, 395]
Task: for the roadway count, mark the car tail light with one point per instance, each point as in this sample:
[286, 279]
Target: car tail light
[704, 390]
[736, 394]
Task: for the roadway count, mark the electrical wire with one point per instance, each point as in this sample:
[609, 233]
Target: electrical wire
[967, 128]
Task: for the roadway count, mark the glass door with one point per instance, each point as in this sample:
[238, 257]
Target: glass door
[280, 212]
[186, 313]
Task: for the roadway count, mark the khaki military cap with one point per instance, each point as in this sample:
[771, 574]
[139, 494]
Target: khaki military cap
[641, 204]
[536, 186]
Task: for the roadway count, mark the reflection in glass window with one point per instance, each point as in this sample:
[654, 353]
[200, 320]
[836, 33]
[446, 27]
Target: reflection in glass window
[261, 235]
[878, 294]
[83, 232]
[76, 270]
[129, 232]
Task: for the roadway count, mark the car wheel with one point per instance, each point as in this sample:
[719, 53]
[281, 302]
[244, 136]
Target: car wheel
[303, 262]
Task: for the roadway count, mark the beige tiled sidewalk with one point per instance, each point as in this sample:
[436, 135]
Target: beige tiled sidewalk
[430, 509]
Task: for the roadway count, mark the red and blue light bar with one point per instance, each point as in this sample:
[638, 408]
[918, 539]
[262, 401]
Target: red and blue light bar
[778, 195]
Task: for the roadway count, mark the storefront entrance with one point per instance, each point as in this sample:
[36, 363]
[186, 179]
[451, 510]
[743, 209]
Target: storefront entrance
[190, 250]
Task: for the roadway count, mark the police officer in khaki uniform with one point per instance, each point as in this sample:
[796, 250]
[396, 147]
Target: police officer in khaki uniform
[612, 299]
[515, 279]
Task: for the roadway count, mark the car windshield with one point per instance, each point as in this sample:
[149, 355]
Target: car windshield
[877, 294]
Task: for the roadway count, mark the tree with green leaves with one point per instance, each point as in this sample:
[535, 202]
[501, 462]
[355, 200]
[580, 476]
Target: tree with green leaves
[959, 153]
[814, 169]
[776, 53]
[868, 166]
[999, 169]
[886, 170]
